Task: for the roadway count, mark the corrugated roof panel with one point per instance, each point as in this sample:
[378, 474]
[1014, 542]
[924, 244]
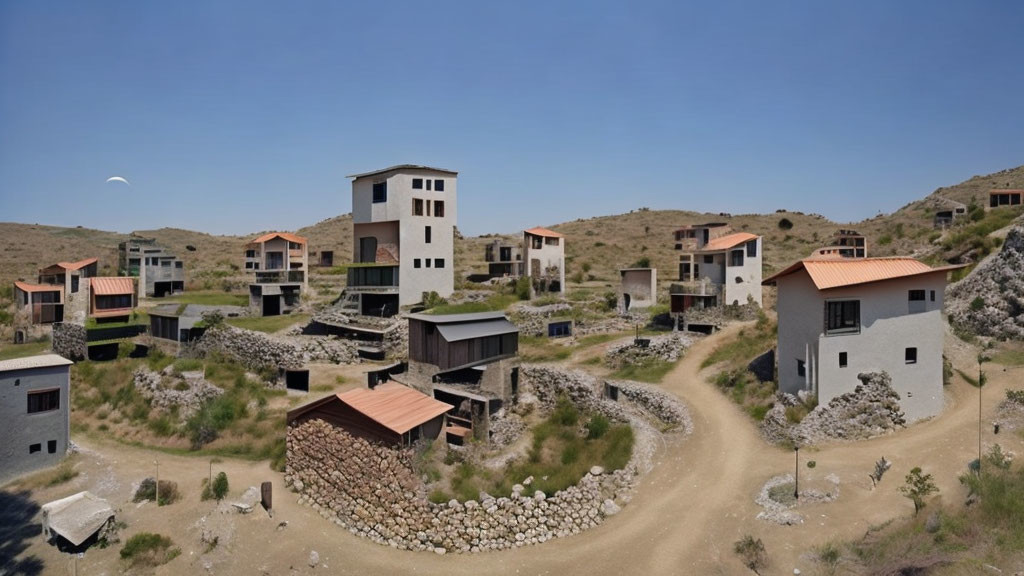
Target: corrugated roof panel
[835, 273]
[105, 285]
[394, 406]
[538, 231]
[453, 318]
[77, 265]
[467, 330]
[26, 287]
[728, 241]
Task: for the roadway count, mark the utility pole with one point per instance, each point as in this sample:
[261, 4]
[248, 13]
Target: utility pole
[796, 486]
[981, 384]
[157, 483]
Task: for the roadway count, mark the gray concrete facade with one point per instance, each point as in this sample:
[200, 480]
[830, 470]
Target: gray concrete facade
[36, 440]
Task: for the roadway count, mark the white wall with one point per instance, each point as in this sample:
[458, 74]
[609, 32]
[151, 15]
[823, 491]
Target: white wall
[887, 329]
[749, 274]
[547, 255]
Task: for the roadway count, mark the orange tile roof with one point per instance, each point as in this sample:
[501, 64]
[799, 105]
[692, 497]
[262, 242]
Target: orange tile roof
[105, 286]
[286, 235]
[394, 406]
[544, 232]
[728, 241]
[828, 273]
[26, 287]
[77, 265]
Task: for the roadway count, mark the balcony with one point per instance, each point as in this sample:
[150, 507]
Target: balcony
[699, 288]
[280, 277]
[373, 276]
[164, 274]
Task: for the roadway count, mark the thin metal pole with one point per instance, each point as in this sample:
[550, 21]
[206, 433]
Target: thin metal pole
[796, 487]
[157, 483]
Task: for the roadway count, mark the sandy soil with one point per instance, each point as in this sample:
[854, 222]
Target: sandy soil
[684, 518]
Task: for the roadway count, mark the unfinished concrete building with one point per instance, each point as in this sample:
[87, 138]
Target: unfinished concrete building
[39, 303]
[34, 413]
[544, 255]
[504, 259]
[279, 263]
[111, 299]
[1000, 198]
[638, 288]
[717, 267]
[403, 229]
[388, 413]
[845, 244]
[160, 273]
[73, 280]
[467, 360]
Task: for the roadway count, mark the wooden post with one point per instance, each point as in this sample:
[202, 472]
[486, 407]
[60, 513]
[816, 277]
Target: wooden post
[266, 494]
[157, 483]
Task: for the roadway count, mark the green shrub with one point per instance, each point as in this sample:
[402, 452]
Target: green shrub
[147, 491]
[439, 496]
[62, 474]
[149, 549]
[885, 240]
[597, 426]
[643, 262]
[785, 224]
[522, 288]
[162, 426]
[978, 303]
[220, 486]
[752, 553]
[565, 412]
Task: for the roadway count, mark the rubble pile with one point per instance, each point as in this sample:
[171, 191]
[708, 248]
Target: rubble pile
[256, 350]
[667, 348]
[168, 390]
[990, 301]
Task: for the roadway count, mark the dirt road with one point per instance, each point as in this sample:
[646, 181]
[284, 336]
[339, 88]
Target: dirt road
[684, 518]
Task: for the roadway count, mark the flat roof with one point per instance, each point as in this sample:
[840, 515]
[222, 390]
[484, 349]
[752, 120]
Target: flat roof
[26, 287]
[30, 362]
[453, 318]
[399, 167]
[828, 273]
[480, 329]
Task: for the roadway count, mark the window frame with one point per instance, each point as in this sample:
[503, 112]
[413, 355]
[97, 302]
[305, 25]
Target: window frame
[41, 408]
[916, 295]
[910, 355]
[439, 185]
[844, 360]
[417, 183]
[841, 330]
[380, 192]
[438, 262]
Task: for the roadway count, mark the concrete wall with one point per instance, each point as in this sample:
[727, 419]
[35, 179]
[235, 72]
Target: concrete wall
[749, 275]
[413, 282]
[887, 329]
[642, 287]
[19, 429]
[537, 260]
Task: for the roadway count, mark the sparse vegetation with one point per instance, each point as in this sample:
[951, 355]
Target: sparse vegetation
[268, 324]
[147, 491]
[751, 551]
[917, 487]
[149, 549]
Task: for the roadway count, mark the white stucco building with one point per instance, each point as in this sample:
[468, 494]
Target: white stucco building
[544, 255]
[403, 231]
[842, 317]
[717, 267]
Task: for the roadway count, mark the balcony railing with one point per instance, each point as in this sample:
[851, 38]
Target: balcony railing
[699, 288]
[373, 277]
[280, 277]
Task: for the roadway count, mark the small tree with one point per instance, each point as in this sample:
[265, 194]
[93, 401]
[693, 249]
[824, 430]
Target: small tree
[752, 553]
[220, 486]
[918, 487]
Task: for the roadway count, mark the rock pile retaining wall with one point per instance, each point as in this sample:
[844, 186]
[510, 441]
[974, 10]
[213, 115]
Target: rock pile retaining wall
[667, 348]
[189, 400]
[70, 340]
[256, 350]
[999, 287]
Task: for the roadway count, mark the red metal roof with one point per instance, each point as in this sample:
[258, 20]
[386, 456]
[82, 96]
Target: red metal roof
[105, 286]
[77, 265]
[26, 287]
[286, 235]
[827, 273]
[544, 232]
[728, 241]
[394, 406]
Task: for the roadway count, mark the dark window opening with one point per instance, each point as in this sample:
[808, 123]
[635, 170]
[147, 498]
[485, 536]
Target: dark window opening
[933, 295]
[417, 183]
[415, 262]
[752, 249]
[736, 258]
[842, 317]
[439, 208]
[43, 401]
[427, 262]
[33, 448]
[426, 234]
[801, 368]
[439, 185]
[910, 356]
[428, 183]
[380, 192]
[916, 296]
[417, 207]
[51, 447]
[842, 360]
[709, 259]
[438, 262]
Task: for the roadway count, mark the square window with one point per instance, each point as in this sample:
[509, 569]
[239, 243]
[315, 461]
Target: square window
[842, 360]
[842, 317]
[439, 185]
[438, 262]
[417, 183]
[801, 368]
[426, 234]
[51, 447]
[910, 356]
[916, 296]
[33, 448]
[736, 258]
[380, 192]
[709, 259]
[416, 263]
[439, 208]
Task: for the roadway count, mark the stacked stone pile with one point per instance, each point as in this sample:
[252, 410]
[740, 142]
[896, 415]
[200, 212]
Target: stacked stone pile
[872, 409]
[162, 390]
[990, 302]
[668, 348]
[662, 405]
[532, 320]
[373, 492]
[70, 340]
[256, 350]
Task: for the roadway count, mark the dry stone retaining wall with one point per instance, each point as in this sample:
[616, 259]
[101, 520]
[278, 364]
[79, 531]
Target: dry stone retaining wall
[256, 350]
[188, 400]
[998, 286]
[70, 340]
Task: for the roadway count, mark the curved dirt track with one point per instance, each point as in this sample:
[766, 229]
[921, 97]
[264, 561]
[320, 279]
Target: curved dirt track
[684, 517]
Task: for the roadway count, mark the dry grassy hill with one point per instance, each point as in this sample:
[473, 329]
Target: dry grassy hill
[600, 245]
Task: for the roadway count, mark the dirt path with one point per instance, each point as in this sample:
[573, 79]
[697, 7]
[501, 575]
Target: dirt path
[684, 518]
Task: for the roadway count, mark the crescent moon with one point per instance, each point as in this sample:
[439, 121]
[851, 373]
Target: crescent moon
[117, 179]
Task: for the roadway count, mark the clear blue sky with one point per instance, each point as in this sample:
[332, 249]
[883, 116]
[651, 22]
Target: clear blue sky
[235, 117]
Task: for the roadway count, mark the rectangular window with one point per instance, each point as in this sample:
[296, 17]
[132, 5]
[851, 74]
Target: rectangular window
[536, 242]
[801, 368]
[426, 234]
[438, 262]
[44, 401]
[51, 446]
[551, 241]
[736, 258]
[842, 360]
[165, 263]
[416, 263]
[380, 192]
[294, 246]
[250, 253]
[709, 259]
[417, 183]
[33, 448]
[113, 302]
[439, 208]
[439, 185]
[910, 356]
[428, 183]
[933, 296]
[427, 262]
[752, 249]
[417, 207]
[842, 317]
[916, 296]
[179, 264]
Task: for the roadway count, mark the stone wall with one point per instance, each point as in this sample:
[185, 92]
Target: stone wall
[990, 302]
[256, 350]
[667, 348]
[70, 340]
[167, 390]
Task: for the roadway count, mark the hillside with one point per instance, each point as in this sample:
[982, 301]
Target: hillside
[598, 245]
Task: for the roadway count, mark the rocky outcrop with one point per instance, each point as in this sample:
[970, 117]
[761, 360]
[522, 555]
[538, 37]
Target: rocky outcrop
[872, 409]
[990, 301]
[256, 350]
[187, 392]
[667, 348]
[70, 340]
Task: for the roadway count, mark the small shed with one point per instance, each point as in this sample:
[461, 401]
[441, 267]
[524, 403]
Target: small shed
[76, 518]
[391, 413]
[461, 340]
